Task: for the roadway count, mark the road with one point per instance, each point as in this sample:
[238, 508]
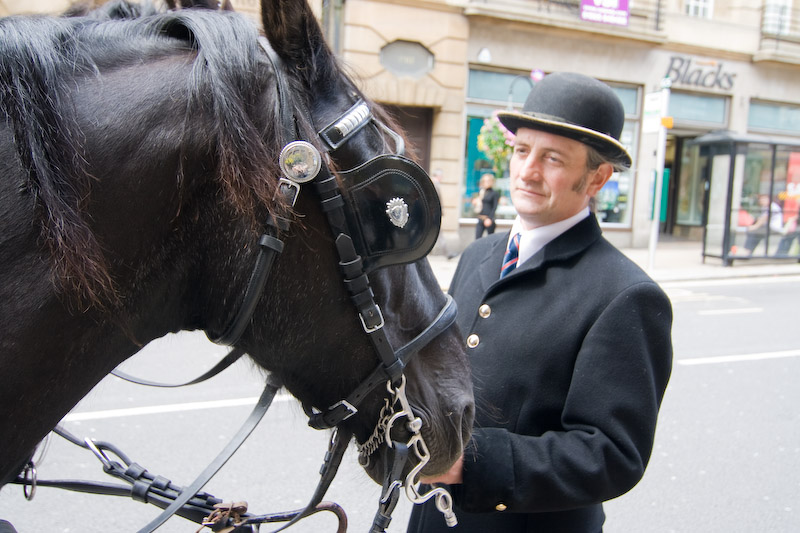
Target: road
[726, 459]
[727, 453]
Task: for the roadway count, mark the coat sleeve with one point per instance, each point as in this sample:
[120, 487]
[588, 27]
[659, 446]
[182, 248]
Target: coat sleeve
[607, 425]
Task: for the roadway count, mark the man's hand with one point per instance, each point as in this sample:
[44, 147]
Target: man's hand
[451, 477]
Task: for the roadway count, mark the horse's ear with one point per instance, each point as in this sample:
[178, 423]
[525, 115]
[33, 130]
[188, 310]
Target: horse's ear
[292, 30]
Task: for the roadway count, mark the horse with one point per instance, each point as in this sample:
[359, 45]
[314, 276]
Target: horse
[142, 159]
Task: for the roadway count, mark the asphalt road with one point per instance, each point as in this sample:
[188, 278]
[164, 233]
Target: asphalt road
[727, 454]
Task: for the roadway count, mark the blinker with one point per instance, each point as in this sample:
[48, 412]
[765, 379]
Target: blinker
[394, 211]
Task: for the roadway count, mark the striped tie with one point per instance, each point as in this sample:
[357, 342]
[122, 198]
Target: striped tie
[510, 259]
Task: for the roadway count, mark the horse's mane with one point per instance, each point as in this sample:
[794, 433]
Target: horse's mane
[115, 9]
[39, 59]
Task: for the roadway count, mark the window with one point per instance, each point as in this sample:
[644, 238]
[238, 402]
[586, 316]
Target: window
[769, 117]
[777, 17]
[699, 8]
[698, 109]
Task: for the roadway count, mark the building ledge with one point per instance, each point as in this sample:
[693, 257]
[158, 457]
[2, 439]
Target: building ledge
[785, 50]
[566, 16]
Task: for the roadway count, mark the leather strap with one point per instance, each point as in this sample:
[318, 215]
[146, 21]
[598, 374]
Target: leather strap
[234, 355]
[269, 248]
[270, 389]
[340, 411]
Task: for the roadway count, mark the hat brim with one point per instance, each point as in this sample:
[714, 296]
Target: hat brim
[605, 144]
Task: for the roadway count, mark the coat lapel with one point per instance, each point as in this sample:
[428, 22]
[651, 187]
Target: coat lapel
[489, 267]
[570, 243]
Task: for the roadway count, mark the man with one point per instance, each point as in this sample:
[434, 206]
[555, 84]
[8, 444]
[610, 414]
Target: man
[570, 348]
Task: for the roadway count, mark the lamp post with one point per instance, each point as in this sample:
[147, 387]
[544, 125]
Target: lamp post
[528, 78]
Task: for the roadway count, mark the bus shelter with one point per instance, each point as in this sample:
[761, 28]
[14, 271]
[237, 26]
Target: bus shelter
[752, 195]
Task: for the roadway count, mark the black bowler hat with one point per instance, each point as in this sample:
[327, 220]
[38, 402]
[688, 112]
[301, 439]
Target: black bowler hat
[577, 107]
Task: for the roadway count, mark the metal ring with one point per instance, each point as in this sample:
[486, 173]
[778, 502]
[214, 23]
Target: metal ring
[30, 478]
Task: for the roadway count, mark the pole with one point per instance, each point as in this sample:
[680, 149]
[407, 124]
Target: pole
[661, 149]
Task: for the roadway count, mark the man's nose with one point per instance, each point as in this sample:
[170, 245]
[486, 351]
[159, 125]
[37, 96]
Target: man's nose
[529, 168]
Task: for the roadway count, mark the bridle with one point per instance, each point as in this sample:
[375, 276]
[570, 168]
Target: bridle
[359, 252]
[300, 153]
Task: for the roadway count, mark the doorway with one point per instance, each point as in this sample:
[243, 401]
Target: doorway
[417, 124]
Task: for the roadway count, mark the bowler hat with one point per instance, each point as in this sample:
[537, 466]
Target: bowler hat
[577, 107]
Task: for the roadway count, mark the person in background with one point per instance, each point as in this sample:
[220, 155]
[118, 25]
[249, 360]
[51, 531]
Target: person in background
[486, 206]
[569, 340]
[769, 215]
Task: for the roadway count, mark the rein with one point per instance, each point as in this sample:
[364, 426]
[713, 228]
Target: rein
[189, 502]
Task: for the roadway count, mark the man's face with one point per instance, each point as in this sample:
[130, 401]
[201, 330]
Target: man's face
[549, 178]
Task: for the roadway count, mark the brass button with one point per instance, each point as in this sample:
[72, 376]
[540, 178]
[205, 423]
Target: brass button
[484, 311]
[501, 507]
[473, 340]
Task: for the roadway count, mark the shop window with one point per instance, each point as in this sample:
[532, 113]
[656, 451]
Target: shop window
[771, 117]
[698, 109]
[499, 87]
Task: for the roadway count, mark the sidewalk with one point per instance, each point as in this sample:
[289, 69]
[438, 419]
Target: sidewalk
[672, 261]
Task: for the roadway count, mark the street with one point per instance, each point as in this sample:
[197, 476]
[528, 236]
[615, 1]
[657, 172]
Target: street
[727, 453]
[726, 458]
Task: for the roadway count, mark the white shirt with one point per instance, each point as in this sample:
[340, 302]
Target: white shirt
[533, 240]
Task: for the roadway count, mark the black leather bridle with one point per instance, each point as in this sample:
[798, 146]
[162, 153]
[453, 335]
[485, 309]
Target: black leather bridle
[335, 135]
[188, 502]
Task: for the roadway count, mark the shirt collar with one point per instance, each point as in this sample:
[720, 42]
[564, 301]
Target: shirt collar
[531, 241]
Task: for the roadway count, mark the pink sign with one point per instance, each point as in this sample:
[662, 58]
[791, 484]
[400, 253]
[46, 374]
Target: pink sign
[605, 11]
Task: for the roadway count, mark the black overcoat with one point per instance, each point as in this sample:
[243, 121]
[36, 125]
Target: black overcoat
[570, 355]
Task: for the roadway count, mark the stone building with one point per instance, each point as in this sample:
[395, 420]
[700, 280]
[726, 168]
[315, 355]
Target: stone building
[443, 67]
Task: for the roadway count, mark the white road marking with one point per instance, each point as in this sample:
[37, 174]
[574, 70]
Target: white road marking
[734, 311]
[168, 408]
[738, 358]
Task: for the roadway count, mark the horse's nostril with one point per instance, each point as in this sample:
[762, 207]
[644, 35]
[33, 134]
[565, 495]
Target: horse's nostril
[468, 419]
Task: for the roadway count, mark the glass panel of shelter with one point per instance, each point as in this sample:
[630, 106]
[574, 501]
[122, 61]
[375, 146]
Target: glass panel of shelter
[763, 212]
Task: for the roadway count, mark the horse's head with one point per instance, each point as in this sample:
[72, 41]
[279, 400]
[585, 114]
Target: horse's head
[389, 212]
[146, 171]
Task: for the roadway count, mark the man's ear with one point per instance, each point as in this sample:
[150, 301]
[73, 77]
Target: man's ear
[598, 178]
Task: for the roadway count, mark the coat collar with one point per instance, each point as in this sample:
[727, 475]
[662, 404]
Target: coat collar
[570, 243]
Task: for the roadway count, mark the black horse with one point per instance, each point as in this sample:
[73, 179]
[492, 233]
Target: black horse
[139, 161]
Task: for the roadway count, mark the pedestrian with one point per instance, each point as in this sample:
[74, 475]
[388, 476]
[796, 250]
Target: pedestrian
[790, 232]
[769, 215]
[486, 206]
[569, 341]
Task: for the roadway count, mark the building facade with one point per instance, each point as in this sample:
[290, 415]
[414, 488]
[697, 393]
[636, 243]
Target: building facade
[444, 66]
[730, 66]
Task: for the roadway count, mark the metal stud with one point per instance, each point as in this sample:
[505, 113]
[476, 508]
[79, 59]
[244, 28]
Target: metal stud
[300, 161]
[473, 340]
[397, 209]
